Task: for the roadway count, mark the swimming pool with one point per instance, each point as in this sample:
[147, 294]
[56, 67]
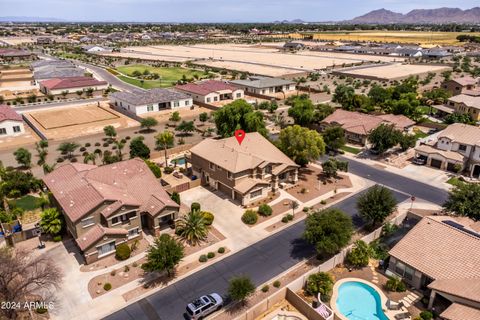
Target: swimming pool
[179, 161]
[359, 301]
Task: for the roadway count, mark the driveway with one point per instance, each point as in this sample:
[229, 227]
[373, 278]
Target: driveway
[228, 216]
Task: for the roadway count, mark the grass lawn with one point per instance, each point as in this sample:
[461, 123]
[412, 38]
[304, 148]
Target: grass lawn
[27, 202]
[168, 75]
[454, 181]
[351, 149]
[419, 134]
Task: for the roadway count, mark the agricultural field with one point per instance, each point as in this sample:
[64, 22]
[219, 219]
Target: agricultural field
[166, 75]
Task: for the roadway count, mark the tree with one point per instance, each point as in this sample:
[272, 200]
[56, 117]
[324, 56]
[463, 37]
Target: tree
[203, 117]
[165, 140]
[294, 205]
[120, 145]
[90, 156]
[301, 144]
[329, 230]
[378, 95]
[344, 95]
[23, 157]
[240, 288]
[139, 149]
[186, 127]
[359, 256]
[320, 283]
[332, 166]
[302, 110]
[407, 141]
[23, 276]
[175, 197]
[464, 200]
[68, 148]
[175, 117]
[384, 137]
[334, 137]
[375, 205]
[157, 172]
[192, 227]
[110, 131]
[322, 111]
[164, 255]
[148, 123]
[51, 221]
[238, 115]
[41, 148]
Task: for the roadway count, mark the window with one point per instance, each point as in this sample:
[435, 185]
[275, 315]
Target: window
[187, 102]
[229, 175]
[115, 220]
[133, 232]
[16, 129]
[462, 147]
[215, 98]
[149, 108]
[256, 193]
[211, 166]
[239, 95]
[400, 268]
[176, 103]
[3, 131]
[408, 273]
[106, 248]
[87, 222]
[268, 169]
[208, 99]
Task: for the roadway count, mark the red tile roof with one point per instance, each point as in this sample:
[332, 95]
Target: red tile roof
[96, 233]
[81, 188]
[71, 82]
[7, 113]
[206, 87]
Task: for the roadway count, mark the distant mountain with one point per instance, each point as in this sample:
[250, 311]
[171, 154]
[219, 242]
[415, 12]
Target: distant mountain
[29, 19]
[295, 21]
[428, 16]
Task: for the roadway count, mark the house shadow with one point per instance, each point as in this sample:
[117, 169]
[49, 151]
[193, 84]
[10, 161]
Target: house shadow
[73, 249]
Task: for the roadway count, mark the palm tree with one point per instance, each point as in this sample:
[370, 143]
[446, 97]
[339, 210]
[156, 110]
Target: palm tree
[51, 221]
[192, 228]
[43, 200]
[120, 145]
[165, 140]
[68, 148]
[90, 157]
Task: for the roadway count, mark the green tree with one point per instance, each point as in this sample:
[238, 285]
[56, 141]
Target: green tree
[301, 144]
[192, 228]
[175, 117]
[384, 137]
[157, 172]
[23, 157]
[359, 256]
[68, 148]
[329, 230]
[165, 140]
[139, 149]
[240, 288]
[164, 255]
[302, 110]
[203, 117]
[238, 115]
[464, 200]
[51, 221]
[175, 197]
[322, 111]
[334, 137]
[90, 157]
[320, 282]
[344, 95]
[332, 166]
[186, 127]
[148, 123]
[378, 95]
[407, 141]
[375, 205]
[110, 131]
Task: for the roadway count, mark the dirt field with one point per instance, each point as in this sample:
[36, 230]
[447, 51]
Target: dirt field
[392, 71]
[17, 40]
[74, 121]
[185, 113]
[27, 138]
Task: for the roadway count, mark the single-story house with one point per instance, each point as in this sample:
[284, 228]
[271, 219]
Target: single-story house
[15, 55]
[211, 91]
[265, 85]
[11, 123]
[72, 85]
[94, 48]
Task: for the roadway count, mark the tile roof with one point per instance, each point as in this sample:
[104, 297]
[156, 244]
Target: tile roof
[206, 87]
[262, 82]
[230, 155]
[467, 288]
[452, 155]
[400, 121]
[157, 95]
[247, 184]
[465, 81]
[440, 250]
[49, 69]
[461, 133]
[14, 53]
[80, 189]
[457, 311]
[7, 113]
[96, 233]
[469, 101]
[72, 82]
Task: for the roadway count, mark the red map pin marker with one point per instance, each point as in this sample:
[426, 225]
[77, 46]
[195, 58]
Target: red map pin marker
[239, 135]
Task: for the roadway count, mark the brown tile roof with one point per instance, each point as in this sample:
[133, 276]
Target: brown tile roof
[400, 121]
[7, 113]
[468, 100]
[228, 154]
[439, 250]
[465, 81]
[206, 87]
[461, 133]
[111, 209]
[457, 311]
[80, 188]
[465, 288]
[96, 233]
[452, 155]
[71, 82]
[247, 184]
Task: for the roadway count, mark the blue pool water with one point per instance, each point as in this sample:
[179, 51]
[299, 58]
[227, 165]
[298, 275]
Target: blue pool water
[359, 301]
[179, 161]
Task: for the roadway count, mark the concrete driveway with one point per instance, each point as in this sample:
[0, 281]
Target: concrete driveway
[227, 216]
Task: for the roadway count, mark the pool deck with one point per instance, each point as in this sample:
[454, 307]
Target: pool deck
[333, 301]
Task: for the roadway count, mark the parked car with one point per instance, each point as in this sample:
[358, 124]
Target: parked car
[203, 306]
[420, 161]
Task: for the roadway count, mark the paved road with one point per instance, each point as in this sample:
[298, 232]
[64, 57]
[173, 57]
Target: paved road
[262, 261]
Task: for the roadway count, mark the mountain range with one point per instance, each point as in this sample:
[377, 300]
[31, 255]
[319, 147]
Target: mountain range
[29, 19]
[420, 16]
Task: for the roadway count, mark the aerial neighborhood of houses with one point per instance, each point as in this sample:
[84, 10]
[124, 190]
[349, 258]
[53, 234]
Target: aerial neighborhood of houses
[223, 171]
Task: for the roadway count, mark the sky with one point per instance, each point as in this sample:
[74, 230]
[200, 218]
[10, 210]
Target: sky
[213, 10]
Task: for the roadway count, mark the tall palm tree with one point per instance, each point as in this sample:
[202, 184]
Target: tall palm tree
[165, 140]
[120, 145]
[51, 221]
[90, 157]
[192, 227]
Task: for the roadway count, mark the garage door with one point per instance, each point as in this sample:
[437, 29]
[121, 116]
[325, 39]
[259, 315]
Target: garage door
[451, 167]
[436, 163]
[224, 189]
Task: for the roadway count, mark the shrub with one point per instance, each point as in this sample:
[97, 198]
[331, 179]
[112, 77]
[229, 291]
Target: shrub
[60, 159]
[276, 283]
[105, 144]
[265, 210]
[195, 206]
[113, 273]
[126, 269]
[426, 315]
[82, 149]
[221, 250]
[203, 258]
[359, 255]
[97, 144]
[323, 202]
[210, 255]
[265, 288]
[41, 310]
[57, 238]
[250, 217]
[85, 153]
[285, 219]
[168, 170]
[134, 264]
[395, 285]
[208, 217]
[74, 160]
[320, 282]
[289, 217]
[122, 252]
[127, 138]
[107, 286]
[305, 209]
[88, 144]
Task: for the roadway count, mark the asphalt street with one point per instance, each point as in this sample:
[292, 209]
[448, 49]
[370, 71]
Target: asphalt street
[261, 262]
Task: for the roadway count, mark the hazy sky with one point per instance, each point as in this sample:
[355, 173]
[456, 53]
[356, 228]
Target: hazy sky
[213, 10]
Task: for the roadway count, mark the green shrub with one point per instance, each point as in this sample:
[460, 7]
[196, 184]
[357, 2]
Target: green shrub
[88, 144]
[305, 209]
[134, 264]
[250, 217]
[82, 149]
[395, 285]
[285, 219]
[359, 255]
[265, 210]
[203, 258]
[208, 217]
[126, 269]
[378, 250]
[276, 283]
[320, 282]
[107, 286]
[113, 273]
[289, 217]
[122, 252]
[265, 288]
[221, 250]
[57, 238]
[210, 255]
[195, 206]
[323, 202]
[168, 170]
[426, 315]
